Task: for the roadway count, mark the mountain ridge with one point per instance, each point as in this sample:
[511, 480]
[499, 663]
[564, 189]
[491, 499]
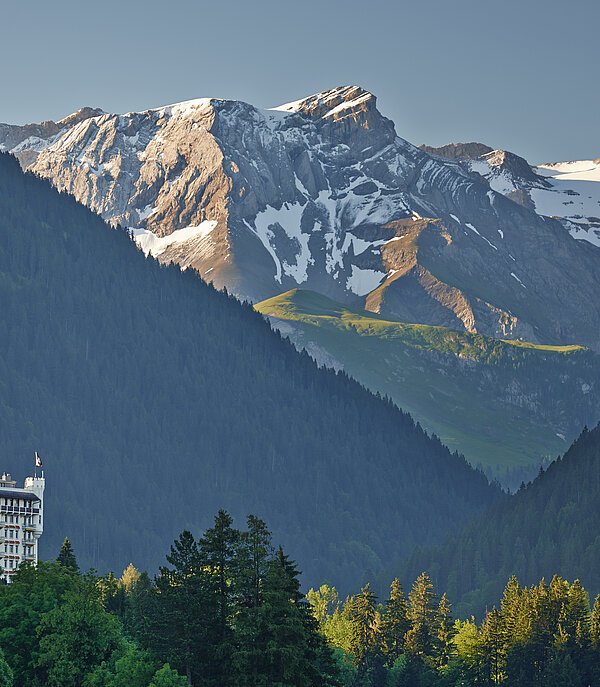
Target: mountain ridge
[321, 193]
[155, 400]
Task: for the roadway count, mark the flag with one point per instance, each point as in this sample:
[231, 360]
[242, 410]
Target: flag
[38, 460]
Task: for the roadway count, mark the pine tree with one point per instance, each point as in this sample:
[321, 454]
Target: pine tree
[183, 620]
[444, 632]
[219, 548]
[255, 552]
[365, 624]
[491, 646]
[277, 641]
[66, 556]
[394, 624]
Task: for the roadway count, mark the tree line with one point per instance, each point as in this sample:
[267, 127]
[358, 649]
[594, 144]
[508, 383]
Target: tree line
[227, 610]
[542, 636]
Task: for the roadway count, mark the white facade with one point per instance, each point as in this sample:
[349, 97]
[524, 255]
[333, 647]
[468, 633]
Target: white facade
[21, 523]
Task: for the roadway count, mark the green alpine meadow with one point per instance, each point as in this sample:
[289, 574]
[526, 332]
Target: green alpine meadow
[505, 404]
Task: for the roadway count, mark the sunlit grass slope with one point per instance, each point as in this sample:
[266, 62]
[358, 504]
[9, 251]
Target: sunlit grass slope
[501, 403]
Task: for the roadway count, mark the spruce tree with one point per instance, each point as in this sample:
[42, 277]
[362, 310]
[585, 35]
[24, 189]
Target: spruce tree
[66, 556]
[365, 623]
[444, 632]
[255, 552]
[182, 622]
[219, 549]
[394, 624]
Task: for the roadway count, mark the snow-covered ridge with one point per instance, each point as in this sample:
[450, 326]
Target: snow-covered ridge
[584, 170]
[184, 108]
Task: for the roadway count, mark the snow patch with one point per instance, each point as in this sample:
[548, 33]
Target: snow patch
[147, 212]
[512, 274]
[288, 217]
[361, 282]
[156, 245]
[480, 235]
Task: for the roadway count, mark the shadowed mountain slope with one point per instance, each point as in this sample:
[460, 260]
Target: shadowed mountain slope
[155, 400]
[549, 527]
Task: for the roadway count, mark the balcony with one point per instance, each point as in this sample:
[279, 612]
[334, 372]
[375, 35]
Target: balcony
[19, 510]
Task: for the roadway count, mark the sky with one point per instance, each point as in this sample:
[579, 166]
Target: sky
[517, 75]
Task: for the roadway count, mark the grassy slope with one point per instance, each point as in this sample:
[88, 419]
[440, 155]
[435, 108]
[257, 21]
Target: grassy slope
[395, 358]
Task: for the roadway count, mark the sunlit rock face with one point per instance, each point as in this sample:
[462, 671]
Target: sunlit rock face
[322, 193]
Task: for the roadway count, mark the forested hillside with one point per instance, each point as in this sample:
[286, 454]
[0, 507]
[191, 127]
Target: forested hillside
[155, 400]
[549, 527]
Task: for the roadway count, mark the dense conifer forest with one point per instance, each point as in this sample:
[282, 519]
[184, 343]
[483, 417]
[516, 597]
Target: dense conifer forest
[546, 635]
[550, 526]
[154, 400]
[226, 610]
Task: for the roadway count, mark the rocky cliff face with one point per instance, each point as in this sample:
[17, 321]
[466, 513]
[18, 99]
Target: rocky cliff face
[322, 193]
[568, 191]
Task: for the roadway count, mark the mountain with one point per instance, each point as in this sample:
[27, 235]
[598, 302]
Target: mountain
[321, 193]
[569, 191]
[550, 527]
[504, 404]
[154, 400]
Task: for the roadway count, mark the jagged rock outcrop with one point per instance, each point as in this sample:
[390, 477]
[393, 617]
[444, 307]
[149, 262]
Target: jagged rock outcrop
[322, 193]
[458, 151]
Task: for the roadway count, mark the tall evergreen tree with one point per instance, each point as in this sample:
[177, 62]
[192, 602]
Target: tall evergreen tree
[183, 619]
[219, 548]
[66, 556]
[255, 553]
[365, 624]
[394, 624]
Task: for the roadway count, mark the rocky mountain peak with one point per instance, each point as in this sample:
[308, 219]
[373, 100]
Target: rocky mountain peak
[79, 116]
[340, 101]
[321, 193]
[505, 160]
[342, 113]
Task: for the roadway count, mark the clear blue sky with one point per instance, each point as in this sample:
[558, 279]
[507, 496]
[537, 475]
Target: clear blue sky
[521, 75]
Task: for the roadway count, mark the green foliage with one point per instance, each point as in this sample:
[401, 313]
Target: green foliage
[76, 635]
[66, 557]
[6, 674]
[151, 392]
[34, 593]
[365, 626]
[333, 620]
[395, 624]
[60, 628]
[542, 636]
[130, 667]
[166, 677]
[181, 622]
